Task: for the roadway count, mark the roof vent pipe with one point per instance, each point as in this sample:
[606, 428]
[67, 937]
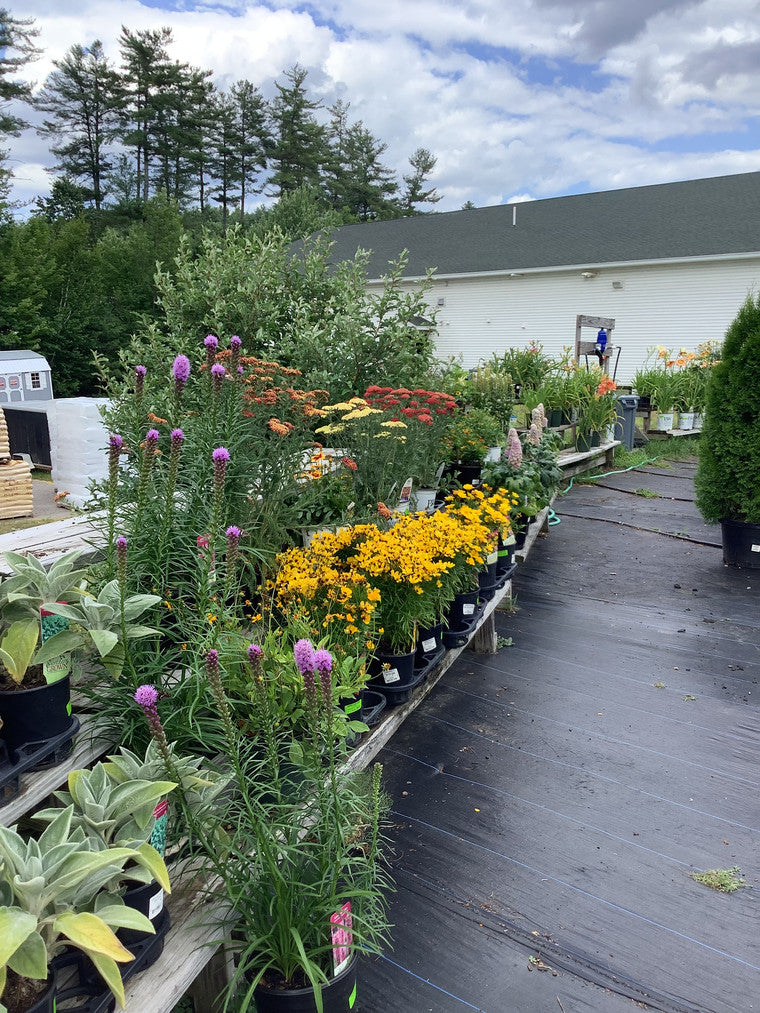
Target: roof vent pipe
[514, 215]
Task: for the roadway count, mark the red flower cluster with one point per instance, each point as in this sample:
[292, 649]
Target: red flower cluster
[417, 404]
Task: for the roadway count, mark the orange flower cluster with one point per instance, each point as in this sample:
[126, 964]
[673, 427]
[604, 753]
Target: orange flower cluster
[606, 386]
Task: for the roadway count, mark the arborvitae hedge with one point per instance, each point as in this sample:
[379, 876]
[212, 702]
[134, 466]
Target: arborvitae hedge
[728, 476]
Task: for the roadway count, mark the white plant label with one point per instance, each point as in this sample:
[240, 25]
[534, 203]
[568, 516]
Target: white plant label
[156, 905]
[492, 557]
[756, 548]
[468, 609]
[429, 645]
[391, 675]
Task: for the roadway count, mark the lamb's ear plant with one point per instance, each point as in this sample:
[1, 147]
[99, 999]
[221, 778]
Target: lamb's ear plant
[51, 898]
[115, 814]
[104, 626]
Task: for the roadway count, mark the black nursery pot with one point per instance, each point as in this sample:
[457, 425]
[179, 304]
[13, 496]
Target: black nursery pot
[338, 995]
[741, 544]
[148, 899]
[34, 715]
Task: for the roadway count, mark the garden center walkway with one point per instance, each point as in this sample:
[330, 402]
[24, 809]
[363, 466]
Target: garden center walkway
[552, 801]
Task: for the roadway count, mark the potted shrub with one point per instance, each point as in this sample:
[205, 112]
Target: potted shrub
[303, 850]
[597, 410]
[467, 441]
[728, 476]
[34, 681]
[51, 899]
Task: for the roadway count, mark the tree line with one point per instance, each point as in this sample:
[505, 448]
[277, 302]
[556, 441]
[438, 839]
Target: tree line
[152, 166]
[121, 133]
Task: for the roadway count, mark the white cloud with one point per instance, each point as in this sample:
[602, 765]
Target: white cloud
[537, 99]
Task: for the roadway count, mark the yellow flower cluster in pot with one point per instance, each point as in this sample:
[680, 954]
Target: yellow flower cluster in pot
[402, 576]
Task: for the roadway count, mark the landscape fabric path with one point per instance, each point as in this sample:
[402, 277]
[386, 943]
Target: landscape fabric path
[551, 802]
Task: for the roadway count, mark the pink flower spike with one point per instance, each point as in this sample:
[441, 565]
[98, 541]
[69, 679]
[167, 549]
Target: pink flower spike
[146, 696]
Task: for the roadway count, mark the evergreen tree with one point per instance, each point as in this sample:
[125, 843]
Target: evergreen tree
[299, 151]
[225, 165]
[145, 71]
[357, 183]
[423, 162]
[254, 139]
[16, 50]
[79, 99]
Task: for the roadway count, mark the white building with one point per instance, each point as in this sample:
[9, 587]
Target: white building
[671, 263]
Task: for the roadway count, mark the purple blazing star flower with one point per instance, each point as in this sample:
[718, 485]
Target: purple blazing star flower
[323, 660]
[233, 533]
[211, 341]
[235, 343]
[140, 372]
[218, 373]
[220, 456]
[152, 436]
[181, 369]
[115, 443]
[303, 652]
[181, 373]
[177, 436]
[254, 652]
[147, 697]
[121, 560]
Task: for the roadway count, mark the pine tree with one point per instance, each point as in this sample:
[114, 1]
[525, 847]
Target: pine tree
[423, 162]
[254, 139]
[16, 50]
[79, 99]
[299, 151]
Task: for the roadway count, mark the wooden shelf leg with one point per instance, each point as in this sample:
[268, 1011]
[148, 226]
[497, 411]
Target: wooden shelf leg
[484, 640]
[207, 990]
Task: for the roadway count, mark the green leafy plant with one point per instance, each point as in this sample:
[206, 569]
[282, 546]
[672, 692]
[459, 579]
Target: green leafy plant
[728, 476]
[106, 623]
[115, 814]
[724, 880]
[470, 434]
[51, 897]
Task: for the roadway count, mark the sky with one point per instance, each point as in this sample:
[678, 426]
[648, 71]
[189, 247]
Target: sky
[517, 99]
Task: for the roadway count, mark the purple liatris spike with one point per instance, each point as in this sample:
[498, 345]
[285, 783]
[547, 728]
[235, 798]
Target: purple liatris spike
[323, 663]
[220, 457]
[254, 654]
[181, 373]
[147, 697]
[212, 343]
[115, 443]
[235, 345]
[303, 652]
[217, 376]
[140, 372]
[177, 437]
[121, 560]
[151, 437]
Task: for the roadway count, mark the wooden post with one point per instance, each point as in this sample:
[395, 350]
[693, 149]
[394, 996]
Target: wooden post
[586, 348]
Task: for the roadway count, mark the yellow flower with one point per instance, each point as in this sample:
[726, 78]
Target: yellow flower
[210, 619]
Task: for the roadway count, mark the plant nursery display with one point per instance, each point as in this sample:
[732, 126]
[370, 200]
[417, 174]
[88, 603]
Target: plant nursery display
[728, 476]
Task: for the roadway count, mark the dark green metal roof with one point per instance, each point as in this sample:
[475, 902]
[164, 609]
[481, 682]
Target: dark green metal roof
[697, 218]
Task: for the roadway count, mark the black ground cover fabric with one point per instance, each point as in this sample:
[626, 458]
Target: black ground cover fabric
[552, 801]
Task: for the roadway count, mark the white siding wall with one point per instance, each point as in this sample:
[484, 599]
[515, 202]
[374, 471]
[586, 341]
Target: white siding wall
[676, 305]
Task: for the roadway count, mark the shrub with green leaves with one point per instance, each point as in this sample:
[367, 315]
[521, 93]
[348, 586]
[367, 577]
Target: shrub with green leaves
[728, 477]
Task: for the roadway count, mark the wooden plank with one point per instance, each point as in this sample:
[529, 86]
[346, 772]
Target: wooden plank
[199, 920]
[585, 321]
[49, 542]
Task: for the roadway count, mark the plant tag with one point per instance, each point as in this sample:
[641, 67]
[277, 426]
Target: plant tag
[353, 707]
[429, 645]
[492, 557]
[756, 548]
[342, 936]
[406, 492]
[391, 675]
[156, 905]
[468, 609]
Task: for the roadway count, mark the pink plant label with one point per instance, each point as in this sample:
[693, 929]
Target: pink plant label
[342, 936]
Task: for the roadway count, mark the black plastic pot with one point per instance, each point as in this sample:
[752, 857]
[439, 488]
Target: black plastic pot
[741, 544]
[35, 715]
[338, 995]
[462, 609]
[148, 899]
[392, 669]
[429, 642]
